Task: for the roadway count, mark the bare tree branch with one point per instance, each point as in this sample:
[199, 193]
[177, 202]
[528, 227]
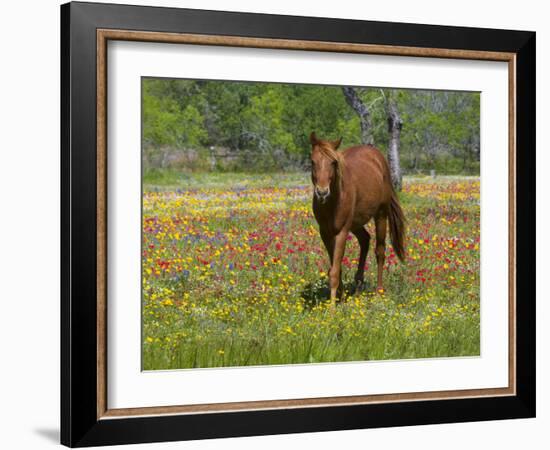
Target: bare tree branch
[353, 100]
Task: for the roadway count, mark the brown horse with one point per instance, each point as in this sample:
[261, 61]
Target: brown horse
[351, 188]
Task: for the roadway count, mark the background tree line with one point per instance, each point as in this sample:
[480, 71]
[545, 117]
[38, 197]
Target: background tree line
[250, 126]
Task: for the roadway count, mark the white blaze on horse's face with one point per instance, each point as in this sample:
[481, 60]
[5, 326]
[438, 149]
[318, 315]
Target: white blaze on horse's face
[322, 174]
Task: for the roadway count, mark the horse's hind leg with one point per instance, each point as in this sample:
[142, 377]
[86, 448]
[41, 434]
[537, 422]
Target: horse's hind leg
[363, 237]
[381, 223]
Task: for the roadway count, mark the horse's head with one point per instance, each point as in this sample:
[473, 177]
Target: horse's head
[326, 165]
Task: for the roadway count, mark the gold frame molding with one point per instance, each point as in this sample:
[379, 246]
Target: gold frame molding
[103, 36]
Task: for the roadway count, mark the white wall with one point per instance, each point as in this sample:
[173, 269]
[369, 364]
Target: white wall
[29, 224]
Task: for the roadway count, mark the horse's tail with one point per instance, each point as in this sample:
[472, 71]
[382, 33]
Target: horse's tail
[397, 226]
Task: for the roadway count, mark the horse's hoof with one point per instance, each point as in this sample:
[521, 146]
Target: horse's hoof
[359, 286]
[332, 304]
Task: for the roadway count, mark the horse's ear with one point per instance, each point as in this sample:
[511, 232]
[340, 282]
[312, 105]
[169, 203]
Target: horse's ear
[335, 144]
[313, 138]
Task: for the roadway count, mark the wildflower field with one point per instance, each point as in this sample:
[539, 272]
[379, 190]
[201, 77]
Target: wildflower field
[235, 273]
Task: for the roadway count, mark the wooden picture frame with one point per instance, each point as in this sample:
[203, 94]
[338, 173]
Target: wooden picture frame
[86, 418]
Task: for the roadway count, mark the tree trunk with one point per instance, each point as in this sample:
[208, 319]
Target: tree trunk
[394, 127]
[353, 100]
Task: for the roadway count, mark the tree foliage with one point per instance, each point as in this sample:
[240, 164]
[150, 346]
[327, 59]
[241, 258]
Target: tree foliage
[265, 126]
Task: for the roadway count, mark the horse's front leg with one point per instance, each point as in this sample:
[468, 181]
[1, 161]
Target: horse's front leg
[328, 240]
[335, 274]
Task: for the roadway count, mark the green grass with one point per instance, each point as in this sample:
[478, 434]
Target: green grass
[234, 274]
[170, 179]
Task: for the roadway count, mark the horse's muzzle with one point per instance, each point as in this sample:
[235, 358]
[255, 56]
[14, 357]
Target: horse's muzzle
[322, 194]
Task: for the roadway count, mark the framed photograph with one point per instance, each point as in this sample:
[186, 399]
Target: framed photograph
[276, 224]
